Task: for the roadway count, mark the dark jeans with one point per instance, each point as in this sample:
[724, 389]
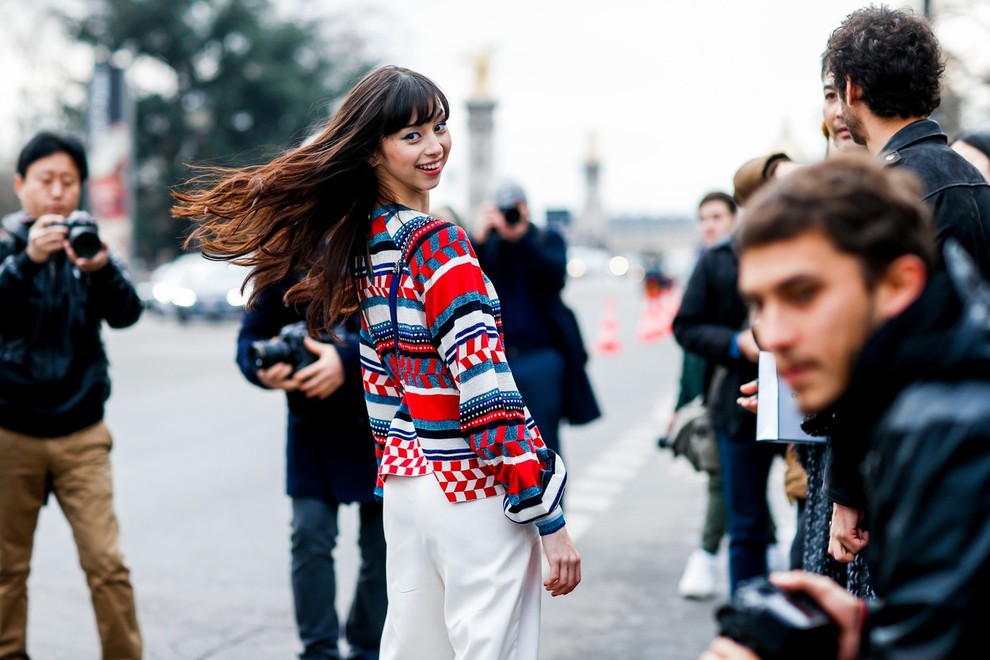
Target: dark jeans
[539, 375]
[745, 468]
[314, 583]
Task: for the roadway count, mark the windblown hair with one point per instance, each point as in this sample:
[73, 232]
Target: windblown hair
[893, 55]
[307, 210]
[872, 213]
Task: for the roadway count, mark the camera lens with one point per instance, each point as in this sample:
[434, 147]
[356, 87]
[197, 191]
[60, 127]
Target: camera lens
[511, 215]
[263, 354]
[85, 242]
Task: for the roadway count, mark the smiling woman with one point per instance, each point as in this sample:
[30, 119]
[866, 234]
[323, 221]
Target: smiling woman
[467, 481]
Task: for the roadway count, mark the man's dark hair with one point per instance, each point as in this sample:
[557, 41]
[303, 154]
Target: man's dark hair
[45, 144]
[893, 55]
[871, 213]
[718, 196]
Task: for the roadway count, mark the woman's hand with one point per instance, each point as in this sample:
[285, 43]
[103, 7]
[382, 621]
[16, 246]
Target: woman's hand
[564, 560]
[847, 538]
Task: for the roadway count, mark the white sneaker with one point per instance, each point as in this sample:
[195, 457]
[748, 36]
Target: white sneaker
[700, 576]
[777, 560]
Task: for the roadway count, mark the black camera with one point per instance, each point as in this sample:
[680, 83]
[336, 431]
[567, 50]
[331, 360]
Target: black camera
[778, 625]
[287, 347]
[511, 214]
[83, 235]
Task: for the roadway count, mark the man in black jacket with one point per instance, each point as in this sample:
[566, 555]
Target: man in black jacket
[330, 460]
[711, 323]
[887, 68]
[53, 386]
[838, 266]
[528, 266]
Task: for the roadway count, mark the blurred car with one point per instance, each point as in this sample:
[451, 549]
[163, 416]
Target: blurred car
[190, 286]
[585, 261]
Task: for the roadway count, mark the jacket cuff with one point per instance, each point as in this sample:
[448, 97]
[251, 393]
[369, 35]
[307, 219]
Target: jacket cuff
[552, 523]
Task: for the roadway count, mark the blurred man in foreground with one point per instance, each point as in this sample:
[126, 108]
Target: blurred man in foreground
[837, 266]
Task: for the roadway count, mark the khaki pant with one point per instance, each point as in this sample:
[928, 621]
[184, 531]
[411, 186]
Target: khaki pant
[79, 468]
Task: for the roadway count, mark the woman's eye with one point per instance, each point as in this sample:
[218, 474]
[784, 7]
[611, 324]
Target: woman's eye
[441, 127]
[411, 135]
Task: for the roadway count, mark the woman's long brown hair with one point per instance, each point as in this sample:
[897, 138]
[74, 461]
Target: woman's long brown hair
[307, 210]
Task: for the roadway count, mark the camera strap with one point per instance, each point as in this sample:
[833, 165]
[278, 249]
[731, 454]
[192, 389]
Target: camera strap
[393, 302]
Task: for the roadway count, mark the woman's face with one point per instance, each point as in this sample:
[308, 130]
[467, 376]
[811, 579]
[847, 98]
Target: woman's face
[409, 162]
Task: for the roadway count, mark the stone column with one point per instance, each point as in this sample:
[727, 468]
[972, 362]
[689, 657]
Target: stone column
[481, 132]
[481, 129]
[591, 229]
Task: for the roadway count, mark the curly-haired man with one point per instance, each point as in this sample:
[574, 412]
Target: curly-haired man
[887, 66]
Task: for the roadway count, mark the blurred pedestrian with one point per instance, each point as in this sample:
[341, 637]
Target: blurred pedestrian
[711, 323]
[330, 461]
[838, 266]
[974, 146]
[528, 267]
[54, 383]
[887, 68]
[467, 481]
[716, 220]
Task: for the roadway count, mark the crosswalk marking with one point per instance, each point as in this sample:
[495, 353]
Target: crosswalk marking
[595, 491]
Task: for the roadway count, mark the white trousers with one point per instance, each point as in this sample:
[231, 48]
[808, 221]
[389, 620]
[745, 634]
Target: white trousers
[463, 582]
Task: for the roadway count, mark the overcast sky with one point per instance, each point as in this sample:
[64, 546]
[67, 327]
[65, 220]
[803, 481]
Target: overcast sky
[676, 94]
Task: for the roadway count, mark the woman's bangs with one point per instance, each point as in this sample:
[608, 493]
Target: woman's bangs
[412, 102]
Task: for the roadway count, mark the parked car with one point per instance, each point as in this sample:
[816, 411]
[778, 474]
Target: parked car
[190, 286]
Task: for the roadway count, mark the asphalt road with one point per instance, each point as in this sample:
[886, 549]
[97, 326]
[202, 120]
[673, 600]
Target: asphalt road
[198, 468]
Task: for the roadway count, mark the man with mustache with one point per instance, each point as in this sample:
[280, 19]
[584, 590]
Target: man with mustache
[838, 268]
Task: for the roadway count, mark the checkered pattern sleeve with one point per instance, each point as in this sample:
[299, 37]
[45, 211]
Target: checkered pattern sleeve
[380, 395]
[463, 321]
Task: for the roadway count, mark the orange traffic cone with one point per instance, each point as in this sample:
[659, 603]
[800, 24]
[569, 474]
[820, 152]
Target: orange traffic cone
[657, 319]
[672, 304]
[651, 321]
[608, 336]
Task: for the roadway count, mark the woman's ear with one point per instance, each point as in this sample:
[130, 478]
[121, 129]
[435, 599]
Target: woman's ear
[374, 160]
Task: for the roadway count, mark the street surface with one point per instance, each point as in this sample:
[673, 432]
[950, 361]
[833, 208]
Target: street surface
[199, 486]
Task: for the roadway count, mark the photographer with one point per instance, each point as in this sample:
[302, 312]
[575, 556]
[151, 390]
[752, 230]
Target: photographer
[543, 344]
[54, 383]
[330, 460]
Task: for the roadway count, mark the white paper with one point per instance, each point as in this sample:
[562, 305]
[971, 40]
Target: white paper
[778, 419]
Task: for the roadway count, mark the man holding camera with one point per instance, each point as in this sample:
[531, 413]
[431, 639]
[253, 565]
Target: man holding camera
[528, 266]
[841, 274]
[53, 385]
[330, 460]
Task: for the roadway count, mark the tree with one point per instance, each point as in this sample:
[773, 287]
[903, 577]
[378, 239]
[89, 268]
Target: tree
[225, 82]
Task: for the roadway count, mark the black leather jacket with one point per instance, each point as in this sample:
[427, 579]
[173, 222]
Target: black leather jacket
[956, 191]
[960, 199]
[53, 368]
[920, 401]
